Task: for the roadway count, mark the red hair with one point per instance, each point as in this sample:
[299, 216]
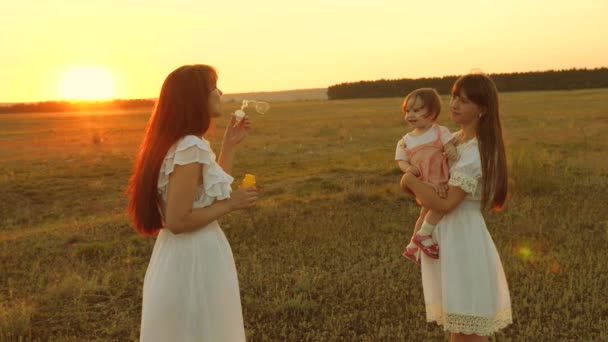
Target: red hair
[182, 109]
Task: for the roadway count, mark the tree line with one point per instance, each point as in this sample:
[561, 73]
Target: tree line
[69, 106]
[568, 79]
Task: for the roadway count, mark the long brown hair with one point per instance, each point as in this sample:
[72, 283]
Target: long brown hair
[182, 109]
[480, 89]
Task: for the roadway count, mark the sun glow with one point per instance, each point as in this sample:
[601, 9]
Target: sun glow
[87, 83]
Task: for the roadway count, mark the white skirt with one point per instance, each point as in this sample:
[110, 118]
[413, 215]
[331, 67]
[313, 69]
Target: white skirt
[191, 290]
[465, 290]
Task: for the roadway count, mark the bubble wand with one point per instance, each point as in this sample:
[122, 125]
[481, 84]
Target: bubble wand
[259, 106]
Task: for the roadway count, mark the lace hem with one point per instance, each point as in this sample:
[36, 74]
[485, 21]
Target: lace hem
[467, 324]
[467, 183]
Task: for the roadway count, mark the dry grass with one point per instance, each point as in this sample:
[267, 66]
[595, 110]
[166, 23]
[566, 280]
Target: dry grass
[320, 257]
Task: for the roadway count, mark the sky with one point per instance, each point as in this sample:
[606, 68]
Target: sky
[61, 49]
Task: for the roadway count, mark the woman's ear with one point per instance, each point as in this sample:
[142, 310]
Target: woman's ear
[482, 111]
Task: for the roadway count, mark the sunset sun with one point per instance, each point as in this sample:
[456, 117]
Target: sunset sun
[86, 83]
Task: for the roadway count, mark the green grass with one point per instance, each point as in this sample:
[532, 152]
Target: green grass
[320, 256]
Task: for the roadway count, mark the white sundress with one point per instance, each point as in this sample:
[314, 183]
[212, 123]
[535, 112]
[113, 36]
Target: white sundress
[191, 290]
[465, 290]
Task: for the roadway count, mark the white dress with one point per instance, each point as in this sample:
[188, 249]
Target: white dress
[465, 290]
[191, 290]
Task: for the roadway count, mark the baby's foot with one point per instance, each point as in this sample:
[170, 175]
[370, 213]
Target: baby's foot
[427, 245]
[412, 253]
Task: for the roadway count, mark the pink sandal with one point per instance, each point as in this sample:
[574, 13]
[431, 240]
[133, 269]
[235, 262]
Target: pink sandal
[431, 250]
[412, 253]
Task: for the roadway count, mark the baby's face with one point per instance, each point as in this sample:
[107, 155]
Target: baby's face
[417, 114]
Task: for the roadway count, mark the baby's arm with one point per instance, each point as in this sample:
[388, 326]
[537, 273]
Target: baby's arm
[450, 150]
[449, 143]
[402, 158]
[405, 167]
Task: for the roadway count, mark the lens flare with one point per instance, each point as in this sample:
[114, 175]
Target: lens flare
[554, 267]
[524, 252]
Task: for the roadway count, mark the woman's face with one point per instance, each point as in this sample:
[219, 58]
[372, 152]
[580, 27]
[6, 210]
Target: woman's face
[463, 110]
[215, 103]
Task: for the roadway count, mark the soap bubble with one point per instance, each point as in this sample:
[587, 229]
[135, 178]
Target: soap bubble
[259, 106]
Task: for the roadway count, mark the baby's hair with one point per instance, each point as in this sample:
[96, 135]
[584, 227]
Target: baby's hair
[429, 97]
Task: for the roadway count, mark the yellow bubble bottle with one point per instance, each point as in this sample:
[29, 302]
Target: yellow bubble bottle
[248, 181]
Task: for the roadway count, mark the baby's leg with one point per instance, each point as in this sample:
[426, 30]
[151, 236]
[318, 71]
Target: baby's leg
[433, 217]
[424, 237]
[412, 251]
[423, 213]
[419, 222]
[430, 221]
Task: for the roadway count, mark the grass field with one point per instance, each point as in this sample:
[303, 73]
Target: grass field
[319, 259]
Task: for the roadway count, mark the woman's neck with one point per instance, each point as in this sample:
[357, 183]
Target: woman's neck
[468, 132]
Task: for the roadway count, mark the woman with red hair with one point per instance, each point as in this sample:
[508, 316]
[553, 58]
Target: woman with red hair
[178, 191]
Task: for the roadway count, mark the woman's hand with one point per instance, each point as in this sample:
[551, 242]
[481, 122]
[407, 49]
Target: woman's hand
[235, 134]
[243, 198]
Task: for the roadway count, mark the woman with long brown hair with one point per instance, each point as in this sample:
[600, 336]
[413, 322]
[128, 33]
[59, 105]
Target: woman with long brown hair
[177, 192]
[465, 290]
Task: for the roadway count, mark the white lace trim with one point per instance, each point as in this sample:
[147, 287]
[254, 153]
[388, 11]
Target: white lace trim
[466, 182]
[467, 324]
[192, 149]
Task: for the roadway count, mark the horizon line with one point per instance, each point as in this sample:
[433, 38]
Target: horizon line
[301, 89]
[151, 98]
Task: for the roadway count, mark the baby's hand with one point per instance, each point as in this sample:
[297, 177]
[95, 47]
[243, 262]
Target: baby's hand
[413, 170]
[450, 152]
[442, 190]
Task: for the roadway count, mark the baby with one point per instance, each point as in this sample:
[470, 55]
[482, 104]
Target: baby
[425, 151]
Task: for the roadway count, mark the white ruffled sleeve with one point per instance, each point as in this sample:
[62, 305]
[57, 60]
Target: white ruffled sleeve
[466, 172]
[400, 150]
[192, 149]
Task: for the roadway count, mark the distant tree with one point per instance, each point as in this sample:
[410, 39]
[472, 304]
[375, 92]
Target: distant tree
[76, 106]
[568, 79]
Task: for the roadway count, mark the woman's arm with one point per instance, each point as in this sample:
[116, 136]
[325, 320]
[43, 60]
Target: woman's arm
[429, 198]
[232, 137]
[180, 217]
[226, 158]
